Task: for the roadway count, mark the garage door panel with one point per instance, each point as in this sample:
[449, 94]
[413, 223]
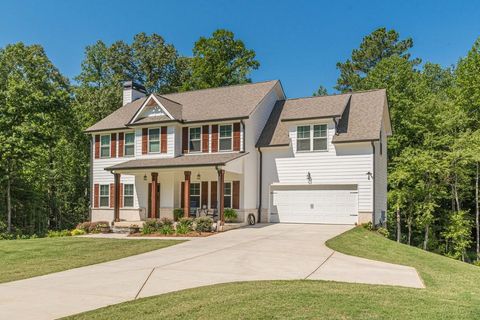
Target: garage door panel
[314, 206]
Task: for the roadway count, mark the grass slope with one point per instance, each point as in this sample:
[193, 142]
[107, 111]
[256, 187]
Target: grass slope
[453, 292]
[21, 259]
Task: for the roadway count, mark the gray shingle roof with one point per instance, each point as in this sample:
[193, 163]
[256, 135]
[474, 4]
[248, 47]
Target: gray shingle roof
[361, 116]
[180, 161]
[315, 107]
[118, 118]
[232, 102]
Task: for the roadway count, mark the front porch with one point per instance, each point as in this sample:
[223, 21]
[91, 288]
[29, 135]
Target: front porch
[140, 193]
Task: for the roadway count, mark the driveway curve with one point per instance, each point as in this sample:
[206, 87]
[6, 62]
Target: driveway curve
[262, 252]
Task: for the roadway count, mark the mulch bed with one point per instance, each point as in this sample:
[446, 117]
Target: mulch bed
[191, 234]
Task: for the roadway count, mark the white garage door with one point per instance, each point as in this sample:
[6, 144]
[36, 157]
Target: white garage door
[314, 204]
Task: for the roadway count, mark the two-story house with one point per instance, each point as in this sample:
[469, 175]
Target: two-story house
[247, 147]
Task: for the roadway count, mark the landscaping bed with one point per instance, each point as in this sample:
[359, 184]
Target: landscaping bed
[175, 235]
[165, 227]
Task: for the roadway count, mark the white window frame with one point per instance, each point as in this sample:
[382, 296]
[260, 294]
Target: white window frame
[220, 138]
[309, 138]
[312, 137]
[228, 195]
[128, 195]
[199, 139]
[125, 144]
[325, 137]
[159, 140]
[100, 196]
[104, 146]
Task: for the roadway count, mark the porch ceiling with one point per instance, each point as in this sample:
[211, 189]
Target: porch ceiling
[199, 160]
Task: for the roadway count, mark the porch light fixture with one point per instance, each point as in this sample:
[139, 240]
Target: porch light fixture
[309, 178]
[370, 175]
[198, 176]
[145, 177]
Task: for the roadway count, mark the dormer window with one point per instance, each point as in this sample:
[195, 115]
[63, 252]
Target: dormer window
[303, 138]
[105, 146]
[194, 143]
[225, 140]
[312, 138]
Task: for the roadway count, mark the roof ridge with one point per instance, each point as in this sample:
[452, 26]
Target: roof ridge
[338, 94]
[216, 88]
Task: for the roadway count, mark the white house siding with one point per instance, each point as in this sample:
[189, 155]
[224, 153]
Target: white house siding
[253, 127]
[101, 176]
[170, 143]
[381, 178]
[346, 163]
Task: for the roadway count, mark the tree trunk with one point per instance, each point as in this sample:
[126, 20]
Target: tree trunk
[455, 189]
[477, 213]
[425, 241]
[9, 205]
[399, 231]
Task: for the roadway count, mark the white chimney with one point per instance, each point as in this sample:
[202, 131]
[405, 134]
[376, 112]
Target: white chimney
[132, 91]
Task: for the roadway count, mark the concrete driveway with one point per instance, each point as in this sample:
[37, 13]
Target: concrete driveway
[263, 252]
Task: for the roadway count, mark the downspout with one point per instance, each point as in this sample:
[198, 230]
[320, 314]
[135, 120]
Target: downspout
[259, 215]
[373, 178]
[243, 130]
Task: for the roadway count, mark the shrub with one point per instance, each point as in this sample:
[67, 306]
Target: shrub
[151, 226]
[203, 224]
[91, 227]
[230, 214]
[369, 226]
[184, 225]
[383, 231]
[166, 221]
[177, 214]
[56, 234]
[78, 232]
[167, 229]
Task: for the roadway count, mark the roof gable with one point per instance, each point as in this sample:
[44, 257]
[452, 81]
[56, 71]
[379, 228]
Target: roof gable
[232, 102]
[155, 109]
[360, 114]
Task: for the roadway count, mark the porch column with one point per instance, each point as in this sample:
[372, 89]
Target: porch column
[116, 197]
[154, 196]
[221, 187]
[186, 194]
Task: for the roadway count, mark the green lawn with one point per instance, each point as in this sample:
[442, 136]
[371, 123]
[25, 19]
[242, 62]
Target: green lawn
[453, 292]
[20, 259]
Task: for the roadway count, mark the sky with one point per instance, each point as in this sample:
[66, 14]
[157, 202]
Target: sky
[298, 42]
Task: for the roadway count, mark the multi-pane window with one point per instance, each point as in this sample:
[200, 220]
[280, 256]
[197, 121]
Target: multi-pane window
[319, 137]
[128, 195]
[105, 146]
[195, 139]
[129, 144]
[312, 137]
[227, 195]
[153, 140]
[303, 138]
[104, 195]
[225, 140]
[194, 195]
